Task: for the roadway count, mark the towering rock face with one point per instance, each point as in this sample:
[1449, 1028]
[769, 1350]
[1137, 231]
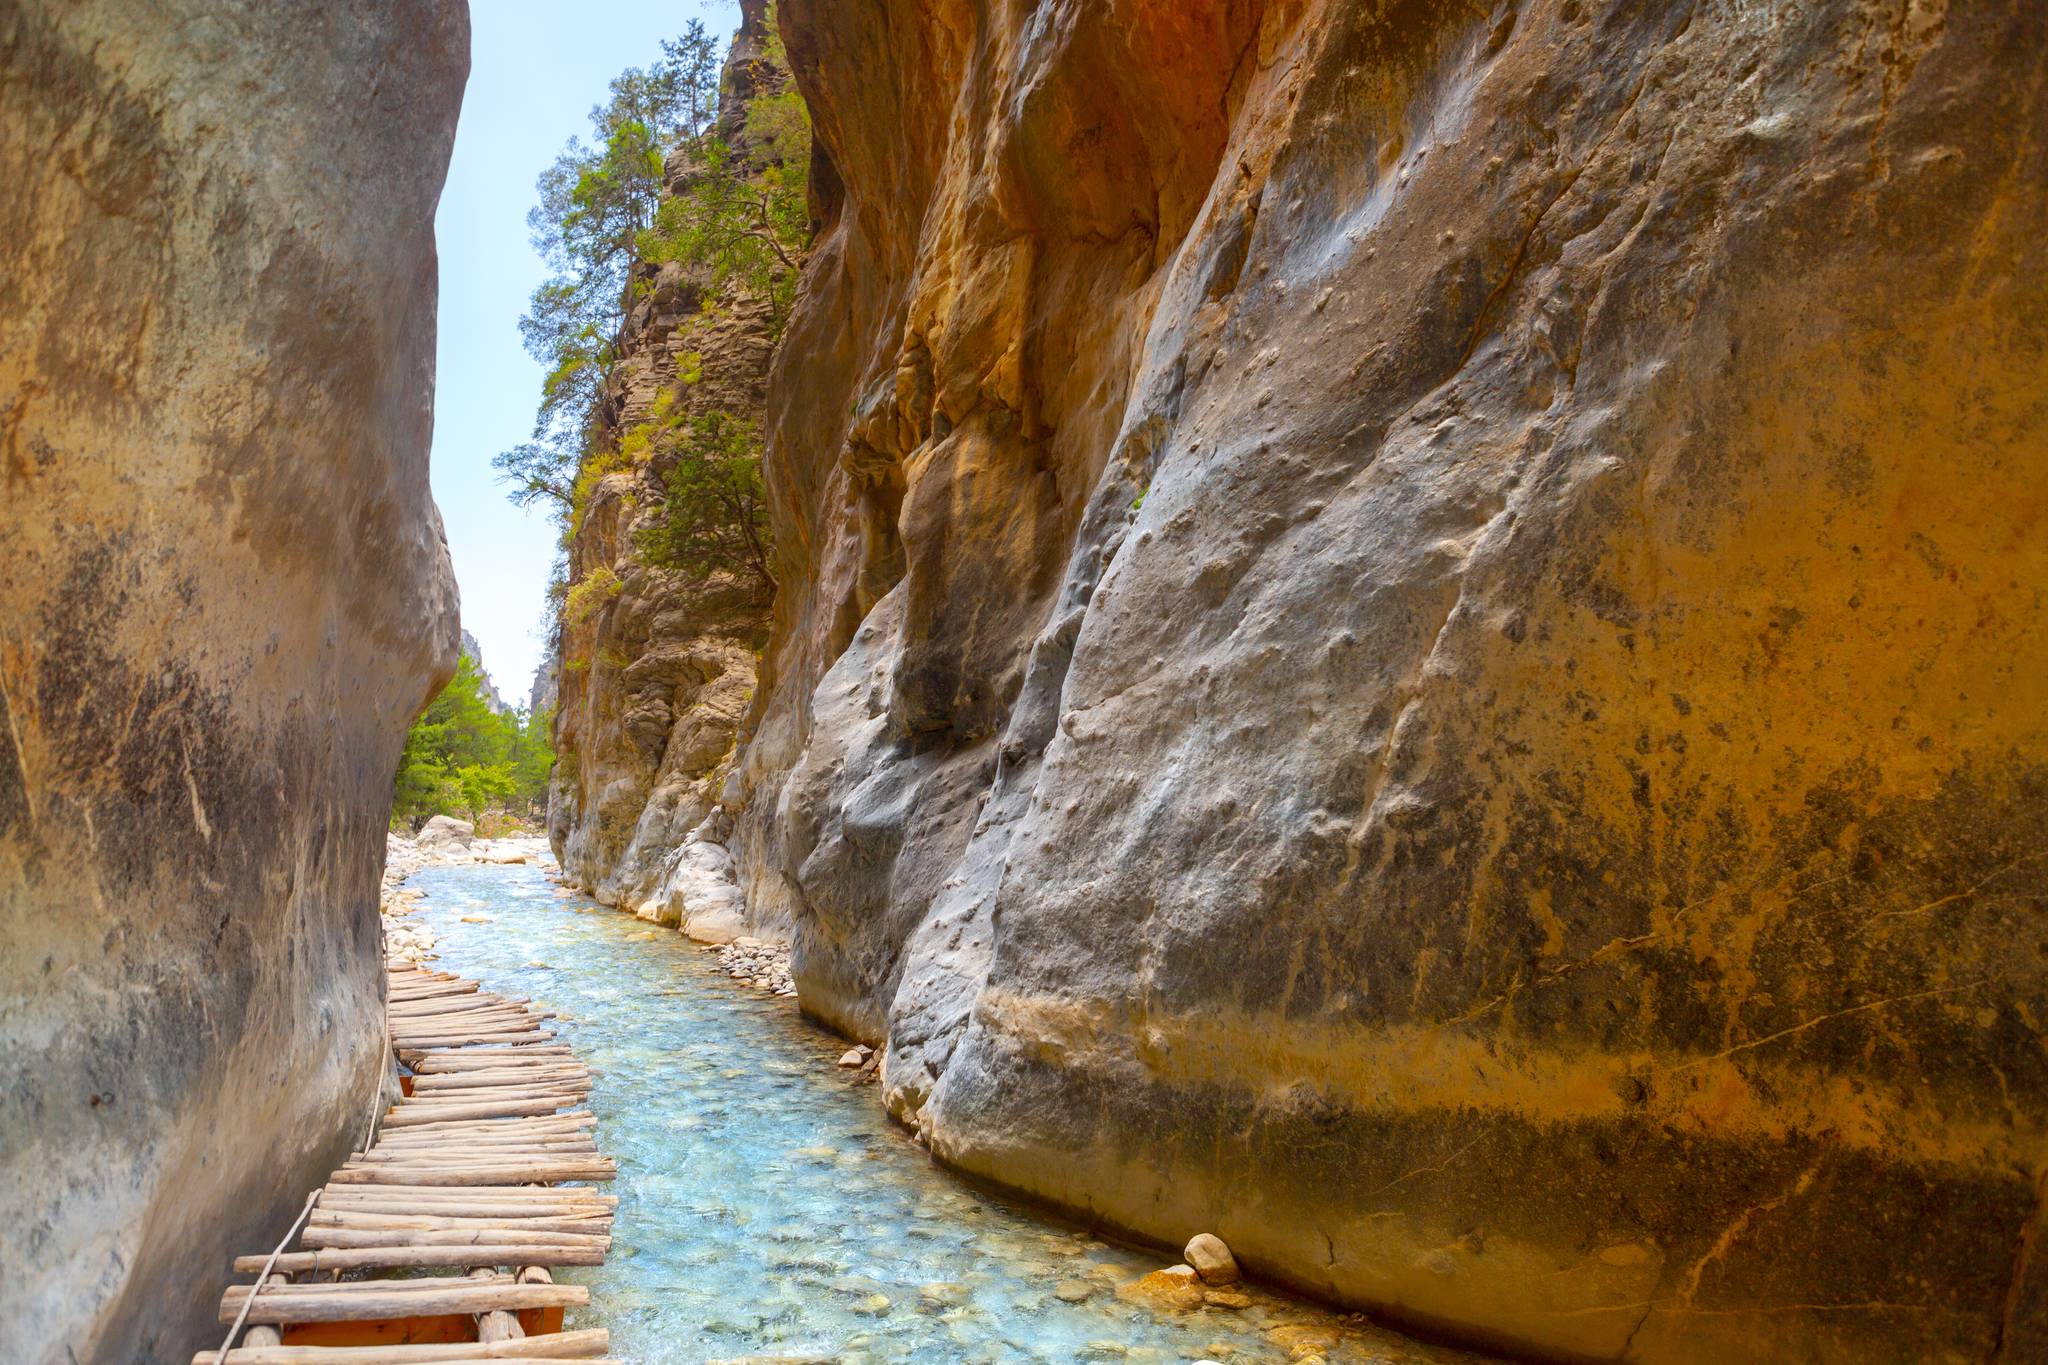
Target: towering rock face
[1415, 635]
[655, 668]
[475, 652]
[223, 594]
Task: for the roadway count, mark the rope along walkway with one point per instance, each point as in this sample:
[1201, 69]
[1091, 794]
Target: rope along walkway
[458, 1208]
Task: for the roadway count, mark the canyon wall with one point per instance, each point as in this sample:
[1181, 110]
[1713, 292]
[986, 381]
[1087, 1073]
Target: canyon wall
[654, 667]
[1414, 634]
[224, 593]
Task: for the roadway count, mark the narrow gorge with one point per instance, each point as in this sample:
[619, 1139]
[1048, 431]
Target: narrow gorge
[1414, 635]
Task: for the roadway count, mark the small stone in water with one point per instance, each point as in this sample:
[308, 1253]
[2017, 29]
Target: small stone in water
[944, 1294]
[476, 919]
[1073, 1291]
[1226, 1298]
[851, 1058]
[874, 1305]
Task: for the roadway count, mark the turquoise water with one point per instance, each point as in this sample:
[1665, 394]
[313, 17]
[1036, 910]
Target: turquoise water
[769, 1209]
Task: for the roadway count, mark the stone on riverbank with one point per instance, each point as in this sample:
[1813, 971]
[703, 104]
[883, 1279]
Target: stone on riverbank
[443, 830]
[1211, 1259]
[1177, 1288]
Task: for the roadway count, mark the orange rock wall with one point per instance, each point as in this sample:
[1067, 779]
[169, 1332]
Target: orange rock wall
[1414, 634]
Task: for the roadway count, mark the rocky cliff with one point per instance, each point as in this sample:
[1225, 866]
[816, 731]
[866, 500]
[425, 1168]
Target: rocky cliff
[492, 698]
[1414, 634]
[223, 594]
[654, 666]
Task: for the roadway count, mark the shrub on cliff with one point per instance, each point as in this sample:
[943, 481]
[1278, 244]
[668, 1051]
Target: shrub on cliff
[715, 518]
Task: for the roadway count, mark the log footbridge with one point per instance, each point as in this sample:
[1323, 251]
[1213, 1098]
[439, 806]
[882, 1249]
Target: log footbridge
[457, 1209]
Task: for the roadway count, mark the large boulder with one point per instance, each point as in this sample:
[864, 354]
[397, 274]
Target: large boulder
[224, 592]
[445, 832]
[1414, 634]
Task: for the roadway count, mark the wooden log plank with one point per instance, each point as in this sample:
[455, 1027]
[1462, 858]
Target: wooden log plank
[570, 1140]
[442, 1084]
[471, 1154]
[507, 1170]
[409, 1116]
[434, 1135]
[505, 1174]
[470, 1021]
[483, 1213]
[566, 1143]
[500, 1080]
[421, 1040]
[587, 1344]
[430, 1203]
[481, 1094]
[458, 1231]
[537, 1122]
[448, 1105]
[446, 1003]
[513, 1093]
[466, 1014]
[401, 1257]
[472, 1000]
[436, 990]
[483, 1029]
[434, 1062]
[394, 1299]
[340, 1198]
[507, 1192]
[455, 1219]
[441, 1234]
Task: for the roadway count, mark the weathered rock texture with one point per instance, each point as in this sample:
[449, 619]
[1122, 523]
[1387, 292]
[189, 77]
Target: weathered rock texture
[654, 675]
[492, 698]
[1413, 634]
[223, 594]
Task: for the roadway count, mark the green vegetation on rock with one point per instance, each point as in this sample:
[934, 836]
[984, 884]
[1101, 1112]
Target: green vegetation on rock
[463, 758]
[737, 220]
[716, 517]
[595, 200]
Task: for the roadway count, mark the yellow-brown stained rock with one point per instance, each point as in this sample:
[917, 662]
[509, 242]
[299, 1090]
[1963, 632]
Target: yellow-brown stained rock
[1470, 652]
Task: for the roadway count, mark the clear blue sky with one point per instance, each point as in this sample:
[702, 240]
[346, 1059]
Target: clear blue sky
[536, 68]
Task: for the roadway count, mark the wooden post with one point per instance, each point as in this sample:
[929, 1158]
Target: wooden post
[497, 1325]
[263, 1334]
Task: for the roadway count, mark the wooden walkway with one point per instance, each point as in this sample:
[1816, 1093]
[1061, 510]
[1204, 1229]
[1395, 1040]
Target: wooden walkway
[458, 1205]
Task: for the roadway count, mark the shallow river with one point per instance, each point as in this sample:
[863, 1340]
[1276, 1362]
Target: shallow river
[768, 1208]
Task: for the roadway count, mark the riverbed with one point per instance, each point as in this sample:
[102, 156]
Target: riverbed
[769, 1210]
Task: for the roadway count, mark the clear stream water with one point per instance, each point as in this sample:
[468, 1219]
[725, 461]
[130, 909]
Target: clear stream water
[768, 1209]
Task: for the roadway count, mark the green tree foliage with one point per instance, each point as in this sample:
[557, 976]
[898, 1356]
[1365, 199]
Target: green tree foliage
[463, 758]
[716, 518]
[740, 216]
[746, 215]
[595, 200]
